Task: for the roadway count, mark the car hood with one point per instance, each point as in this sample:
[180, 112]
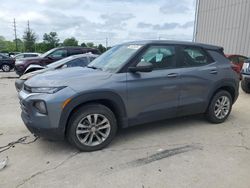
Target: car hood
[73, 77]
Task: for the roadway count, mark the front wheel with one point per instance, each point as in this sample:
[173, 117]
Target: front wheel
[92, 127]
[6, 68]
[220, 107]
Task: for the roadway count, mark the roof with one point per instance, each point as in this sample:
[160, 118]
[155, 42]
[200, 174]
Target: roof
[186, 43]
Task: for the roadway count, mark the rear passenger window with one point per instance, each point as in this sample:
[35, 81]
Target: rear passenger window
[161, 57]
[191, 57]
[75, 51]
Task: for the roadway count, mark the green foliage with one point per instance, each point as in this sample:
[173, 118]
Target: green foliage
[50, 41]
[83, 45]
[29, 39]
[70, 42]
[101, 48]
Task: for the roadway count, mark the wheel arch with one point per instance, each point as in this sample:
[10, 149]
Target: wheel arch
[108, 98]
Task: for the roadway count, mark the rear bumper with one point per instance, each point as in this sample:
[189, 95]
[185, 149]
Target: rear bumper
[19, 84]
[19, 69]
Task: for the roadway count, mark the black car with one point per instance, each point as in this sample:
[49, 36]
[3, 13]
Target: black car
[6, 63]
[245, 72]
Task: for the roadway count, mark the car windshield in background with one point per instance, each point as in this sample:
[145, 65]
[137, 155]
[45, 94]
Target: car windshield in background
[113, 59]
[47, 53]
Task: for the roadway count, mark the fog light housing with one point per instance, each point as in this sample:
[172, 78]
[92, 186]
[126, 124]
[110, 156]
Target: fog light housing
[40, 107]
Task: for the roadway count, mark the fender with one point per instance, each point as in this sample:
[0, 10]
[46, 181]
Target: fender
[225, 83]
[82, 98]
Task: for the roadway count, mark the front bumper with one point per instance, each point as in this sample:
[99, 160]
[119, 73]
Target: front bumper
[44, 125]
[246, 77]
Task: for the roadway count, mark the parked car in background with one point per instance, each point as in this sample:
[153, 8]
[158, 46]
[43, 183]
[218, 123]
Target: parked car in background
[13, 54]
[81, 60]
[132, 83]
[245, 82]
[50, 57]
[237, 60]
[6, 63]
[24, 55]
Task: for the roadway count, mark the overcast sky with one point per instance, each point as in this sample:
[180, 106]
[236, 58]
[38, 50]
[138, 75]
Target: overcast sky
[95, 20]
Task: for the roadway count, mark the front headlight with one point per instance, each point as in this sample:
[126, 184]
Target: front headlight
[49, 90]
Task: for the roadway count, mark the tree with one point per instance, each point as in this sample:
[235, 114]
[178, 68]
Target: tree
[29, 39]
[83, 45]
[90, 44]
[70, 42]
[50, 40]
[101, 48]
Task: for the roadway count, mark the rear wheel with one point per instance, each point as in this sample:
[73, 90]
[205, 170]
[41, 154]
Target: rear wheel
[6, 68]
[245, 85]
[219, 107]
[92, 127]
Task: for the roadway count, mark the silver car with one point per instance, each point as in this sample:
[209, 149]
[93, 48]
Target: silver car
[71, 61]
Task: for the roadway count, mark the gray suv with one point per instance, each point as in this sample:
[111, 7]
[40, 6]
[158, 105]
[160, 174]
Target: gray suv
[130, 84]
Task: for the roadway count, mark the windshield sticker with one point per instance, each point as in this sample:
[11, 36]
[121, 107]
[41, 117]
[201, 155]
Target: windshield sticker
[134, 47]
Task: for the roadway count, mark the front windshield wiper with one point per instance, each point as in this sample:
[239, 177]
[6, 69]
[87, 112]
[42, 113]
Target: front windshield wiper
[93, 67]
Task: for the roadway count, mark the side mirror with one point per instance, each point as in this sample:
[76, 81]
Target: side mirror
[142, 68]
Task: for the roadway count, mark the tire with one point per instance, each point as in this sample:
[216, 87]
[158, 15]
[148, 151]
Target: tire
[216, 105]
[6, 68]
[245, 86]
[77, 133]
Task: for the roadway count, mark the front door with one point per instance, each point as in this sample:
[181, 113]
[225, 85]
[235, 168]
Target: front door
[154, 95]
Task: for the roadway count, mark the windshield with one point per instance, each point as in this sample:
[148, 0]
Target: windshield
[113, 59]
[60, 62]
[47, 53]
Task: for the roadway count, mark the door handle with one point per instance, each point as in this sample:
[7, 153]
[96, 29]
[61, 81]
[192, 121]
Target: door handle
[172, 75]
[213, 72]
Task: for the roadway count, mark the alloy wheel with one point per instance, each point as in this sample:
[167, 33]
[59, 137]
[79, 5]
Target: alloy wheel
[93, 129]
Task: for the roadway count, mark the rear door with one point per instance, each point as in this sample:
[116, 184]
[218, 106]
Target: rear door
[154, 95]
[198, 74]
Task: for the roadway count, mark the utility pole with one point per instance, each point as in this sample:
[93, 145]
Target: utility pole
[15, 33]
[106, 43]
[28, 26]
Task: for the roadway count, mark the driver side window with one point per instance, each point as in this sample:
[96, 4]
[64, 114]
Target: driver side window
[161, 57]
[59, 53]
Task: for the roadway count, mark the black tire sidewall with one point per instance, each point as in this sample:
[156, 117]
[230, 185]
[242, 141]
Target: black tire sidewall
[210, 112]
[245, 86]
[83, 112]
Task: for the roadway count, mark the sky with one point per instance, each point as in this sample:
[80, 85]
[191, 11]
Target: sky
[95, 20]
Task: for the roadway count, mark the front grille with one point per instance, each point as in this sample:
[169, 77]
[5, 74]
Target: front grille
[24, 108]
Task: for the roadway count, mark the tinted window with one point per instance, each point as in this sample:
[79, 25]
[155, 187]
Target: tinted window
[78, 62]
[242, 59]
[59, 53]
[91, 58]
[75, 51]
[234, 59]
[30, 55]
[192, 56]
[93, 51]
[161, 57]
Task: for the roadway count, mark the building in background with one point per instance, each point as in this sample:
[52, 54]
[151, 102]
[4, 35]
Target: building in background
[225, 23]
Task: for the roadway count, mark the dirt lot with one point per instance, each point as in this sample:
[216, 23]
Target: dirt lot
[186, 152]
